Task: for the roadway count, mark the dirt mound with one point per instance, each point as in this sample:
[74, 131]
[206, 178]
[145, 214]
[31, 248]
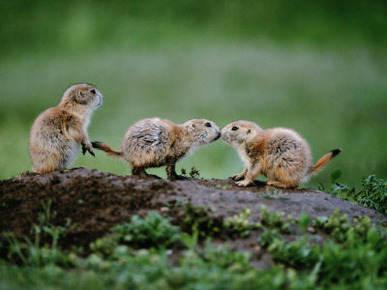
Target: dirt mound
[95, 201]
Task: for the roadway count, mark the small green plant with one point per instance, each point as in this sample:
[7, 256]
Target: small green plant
[342, 231]
[47, 214]
[268, 236]
[373, 193]
[335, 225]
[190, 241]
[224, 257]
[240, 223]
[194, 173]
[14, 247]
[304, 222]
[105, 246]
[274, 220]
[37, 251]
[152, 231]
[298, 254]
[203, 220]
[31, 253]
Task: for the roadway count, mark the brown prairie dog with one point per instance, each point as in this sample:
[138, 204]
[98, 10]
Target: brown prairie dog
[281, 154]
[157, 142]
[57, 133]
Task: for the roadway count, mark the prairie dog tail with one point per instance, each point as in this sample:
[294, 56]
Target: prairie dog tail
[105, 147]
[324, 161]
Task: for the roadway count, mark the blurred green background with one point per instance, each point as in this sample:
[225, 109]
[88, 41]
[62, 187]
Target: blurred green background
[316, 66]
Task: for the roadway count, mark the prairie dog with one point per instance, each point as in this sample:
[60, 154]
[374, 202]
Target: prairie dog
[156, 142]
[281, 154]
[57, 132]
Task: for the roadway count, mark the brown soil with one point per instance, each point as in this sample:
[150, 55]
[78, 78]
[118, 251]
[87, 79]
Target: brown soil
[95, 201]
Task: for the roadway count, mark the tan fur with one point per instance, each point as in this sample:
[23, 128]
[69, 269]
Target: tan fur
[57, 133]
[322, 162]
[281, 154]
[157, 142]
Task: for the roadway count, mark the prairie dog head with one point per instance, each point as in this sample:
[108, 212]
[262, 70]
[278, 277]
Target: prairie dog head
[202, 131]
[240, 132]
[82, 96]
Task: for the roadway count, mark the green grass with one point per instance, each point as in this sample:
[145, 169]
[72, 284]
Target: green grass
[353, 255]
[335, 99]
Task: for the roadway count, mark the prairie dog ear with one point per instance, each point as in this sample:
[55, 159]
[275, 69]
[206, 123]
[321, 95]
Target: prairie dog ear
[192, 127]
[81, 97]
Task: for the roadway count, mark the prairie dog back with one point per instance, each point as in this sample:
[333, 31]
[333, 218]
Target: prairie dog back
[288, 152]
[148, 142]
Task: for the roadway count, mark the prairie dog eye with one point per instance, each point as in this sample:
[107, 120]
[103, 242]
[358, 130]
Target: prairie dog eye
[207, 124]
[93, 91]
[234, 128]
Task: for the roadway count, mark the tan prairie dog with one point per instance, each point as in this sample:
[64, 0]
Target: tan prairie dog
[57, 133]
[157, 142]
[281, 154]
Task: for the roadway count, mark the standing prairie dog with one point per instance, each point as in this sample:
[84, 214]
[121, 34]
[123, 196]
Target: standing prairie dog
[57, 133]
[281, 154]
[156, 142]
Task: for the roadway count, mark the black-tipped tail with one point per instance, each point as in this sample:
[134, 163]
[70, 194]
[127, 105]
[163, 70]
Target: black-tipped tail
[324, 161]
[335, 152]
